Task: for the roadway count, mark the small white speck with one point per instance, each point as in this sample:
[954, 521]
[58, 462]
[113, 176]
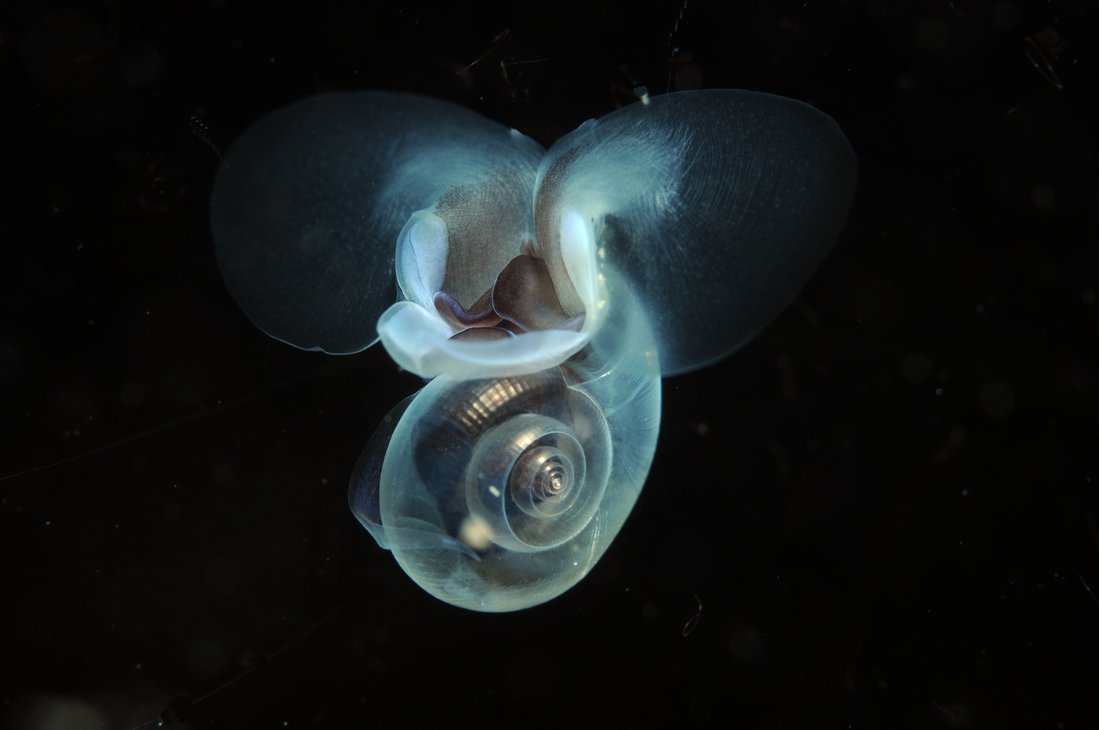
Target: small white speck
[494, 491]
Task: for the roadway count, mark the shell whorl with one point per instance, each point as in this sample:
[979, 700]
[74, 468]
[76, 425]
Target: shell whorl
[534, 456]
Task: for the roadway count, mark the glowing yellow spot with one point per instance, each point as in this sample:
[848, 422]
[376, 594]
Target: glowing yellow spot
[476, 533]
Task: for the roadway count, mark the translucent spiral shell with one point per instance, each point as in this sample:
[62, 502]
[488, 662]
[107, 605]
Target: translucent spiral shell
[499, 494]
[529, 484]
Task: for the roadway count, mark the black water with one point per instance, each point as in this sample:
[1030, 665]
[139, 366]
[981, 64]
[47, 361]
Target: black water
[885, 506]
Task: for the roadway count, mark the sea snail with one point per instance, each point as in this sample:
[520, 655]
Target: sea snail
[543, 293]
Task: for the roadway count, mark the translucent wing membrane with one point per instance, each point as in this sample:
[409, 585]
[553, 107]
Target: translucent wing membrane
[715, 205]
[309, 204]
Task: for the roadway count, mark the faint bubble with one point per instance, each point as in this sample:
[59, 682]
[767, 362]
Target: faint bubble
[58, 713]
[687, 77]
[746, 644]
[132, 394]
[1076, 374]
[955, 714]
[997, 399]
[73, 404]
[170, 511]
[225, 475]
[63, 52]
[125, 155]
[11, 364]
[1047, 456]
[932, 34]
[877, 303]
[916, 367]
[1007, 14]
[138, 63]
[222, 575]
[952, 443]
[206, 659]
[1043, 197]
[1088, 295]
[904, 82]
[518, 681]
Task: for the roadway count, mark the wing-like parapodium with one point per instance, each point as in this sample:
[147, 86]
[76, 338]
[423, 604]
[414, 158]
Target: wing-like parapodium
[716, 206]
[309, 203]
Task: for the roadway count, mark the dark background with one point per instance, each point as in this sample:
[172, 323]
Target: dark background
[885, 505]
